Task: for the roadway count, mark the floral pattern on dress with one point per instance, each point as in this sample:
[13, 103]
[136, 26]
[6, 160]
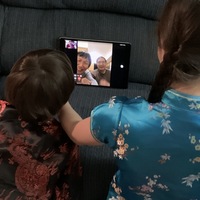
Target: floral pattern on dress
[166, 155]
[122, 146]
[149, 188]
[164, 115]
[164, 158]
[189, 180]
[194, 105]
[196, 143]
[111, 102]
[165, 122]
[117, 190]
[35, 158]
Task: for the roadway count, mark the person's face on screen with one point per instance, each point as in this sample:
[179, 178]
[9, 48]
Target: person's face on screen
[82, 64]
[101, 64]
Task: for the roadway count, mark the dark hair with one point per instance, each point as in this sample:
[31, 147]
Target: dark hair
[179, 37]
[86, 56]
[39, 84]
[101, 57]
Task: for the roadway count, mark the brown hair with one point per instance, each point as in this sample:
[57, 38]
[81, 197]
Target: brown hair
[179, 37]
[39, 84]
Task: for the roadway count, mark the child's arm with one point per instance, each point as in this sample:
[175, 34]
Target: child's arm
[78, 129]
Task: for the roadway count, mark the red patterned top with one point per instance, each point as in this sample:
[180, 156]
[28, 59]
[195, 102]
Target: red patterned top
[37, 160]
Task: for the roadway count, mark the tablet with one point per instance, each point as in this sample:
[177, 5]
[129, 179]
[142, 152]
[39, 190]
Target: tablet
[98, 63]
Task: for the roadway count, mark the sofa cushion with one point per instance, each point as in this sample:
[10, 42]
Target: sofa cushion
[142, 8]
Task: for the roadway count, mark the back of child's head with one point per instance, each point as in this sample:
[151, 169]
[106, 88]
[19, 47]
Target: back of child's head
[179, 37]
[39, 84]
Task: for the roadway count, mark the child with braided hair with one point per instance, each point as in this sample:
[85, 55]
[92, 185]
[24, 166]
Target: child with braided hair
[156, 142]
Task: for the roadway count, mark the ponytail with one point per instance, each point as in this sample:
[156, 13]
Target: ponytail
[163, 79]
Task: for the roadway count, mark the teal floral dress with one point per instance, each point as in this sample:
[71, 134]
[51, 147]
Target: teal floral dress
[156, 146]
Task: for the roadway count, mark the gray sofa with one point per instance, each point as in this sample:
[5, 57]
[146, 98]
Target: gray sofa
[33, 24]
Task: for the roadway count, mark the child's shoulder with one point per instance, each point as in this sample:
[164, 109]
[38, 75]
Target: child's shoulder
[127, 100]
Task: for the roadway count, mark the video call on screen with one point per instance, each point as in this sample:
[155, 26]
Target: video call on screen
[109, 65]
[95, 50]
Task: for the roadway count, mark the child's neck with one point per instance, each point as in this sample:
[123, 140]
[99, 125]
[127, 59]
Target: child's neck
[191, 89]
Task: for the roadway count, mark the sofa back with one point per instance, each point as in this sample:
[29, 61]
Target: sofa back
[33, 24]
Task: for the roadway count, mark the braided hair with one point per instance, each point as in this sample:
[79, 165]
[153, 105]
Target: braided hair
[179, 37]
